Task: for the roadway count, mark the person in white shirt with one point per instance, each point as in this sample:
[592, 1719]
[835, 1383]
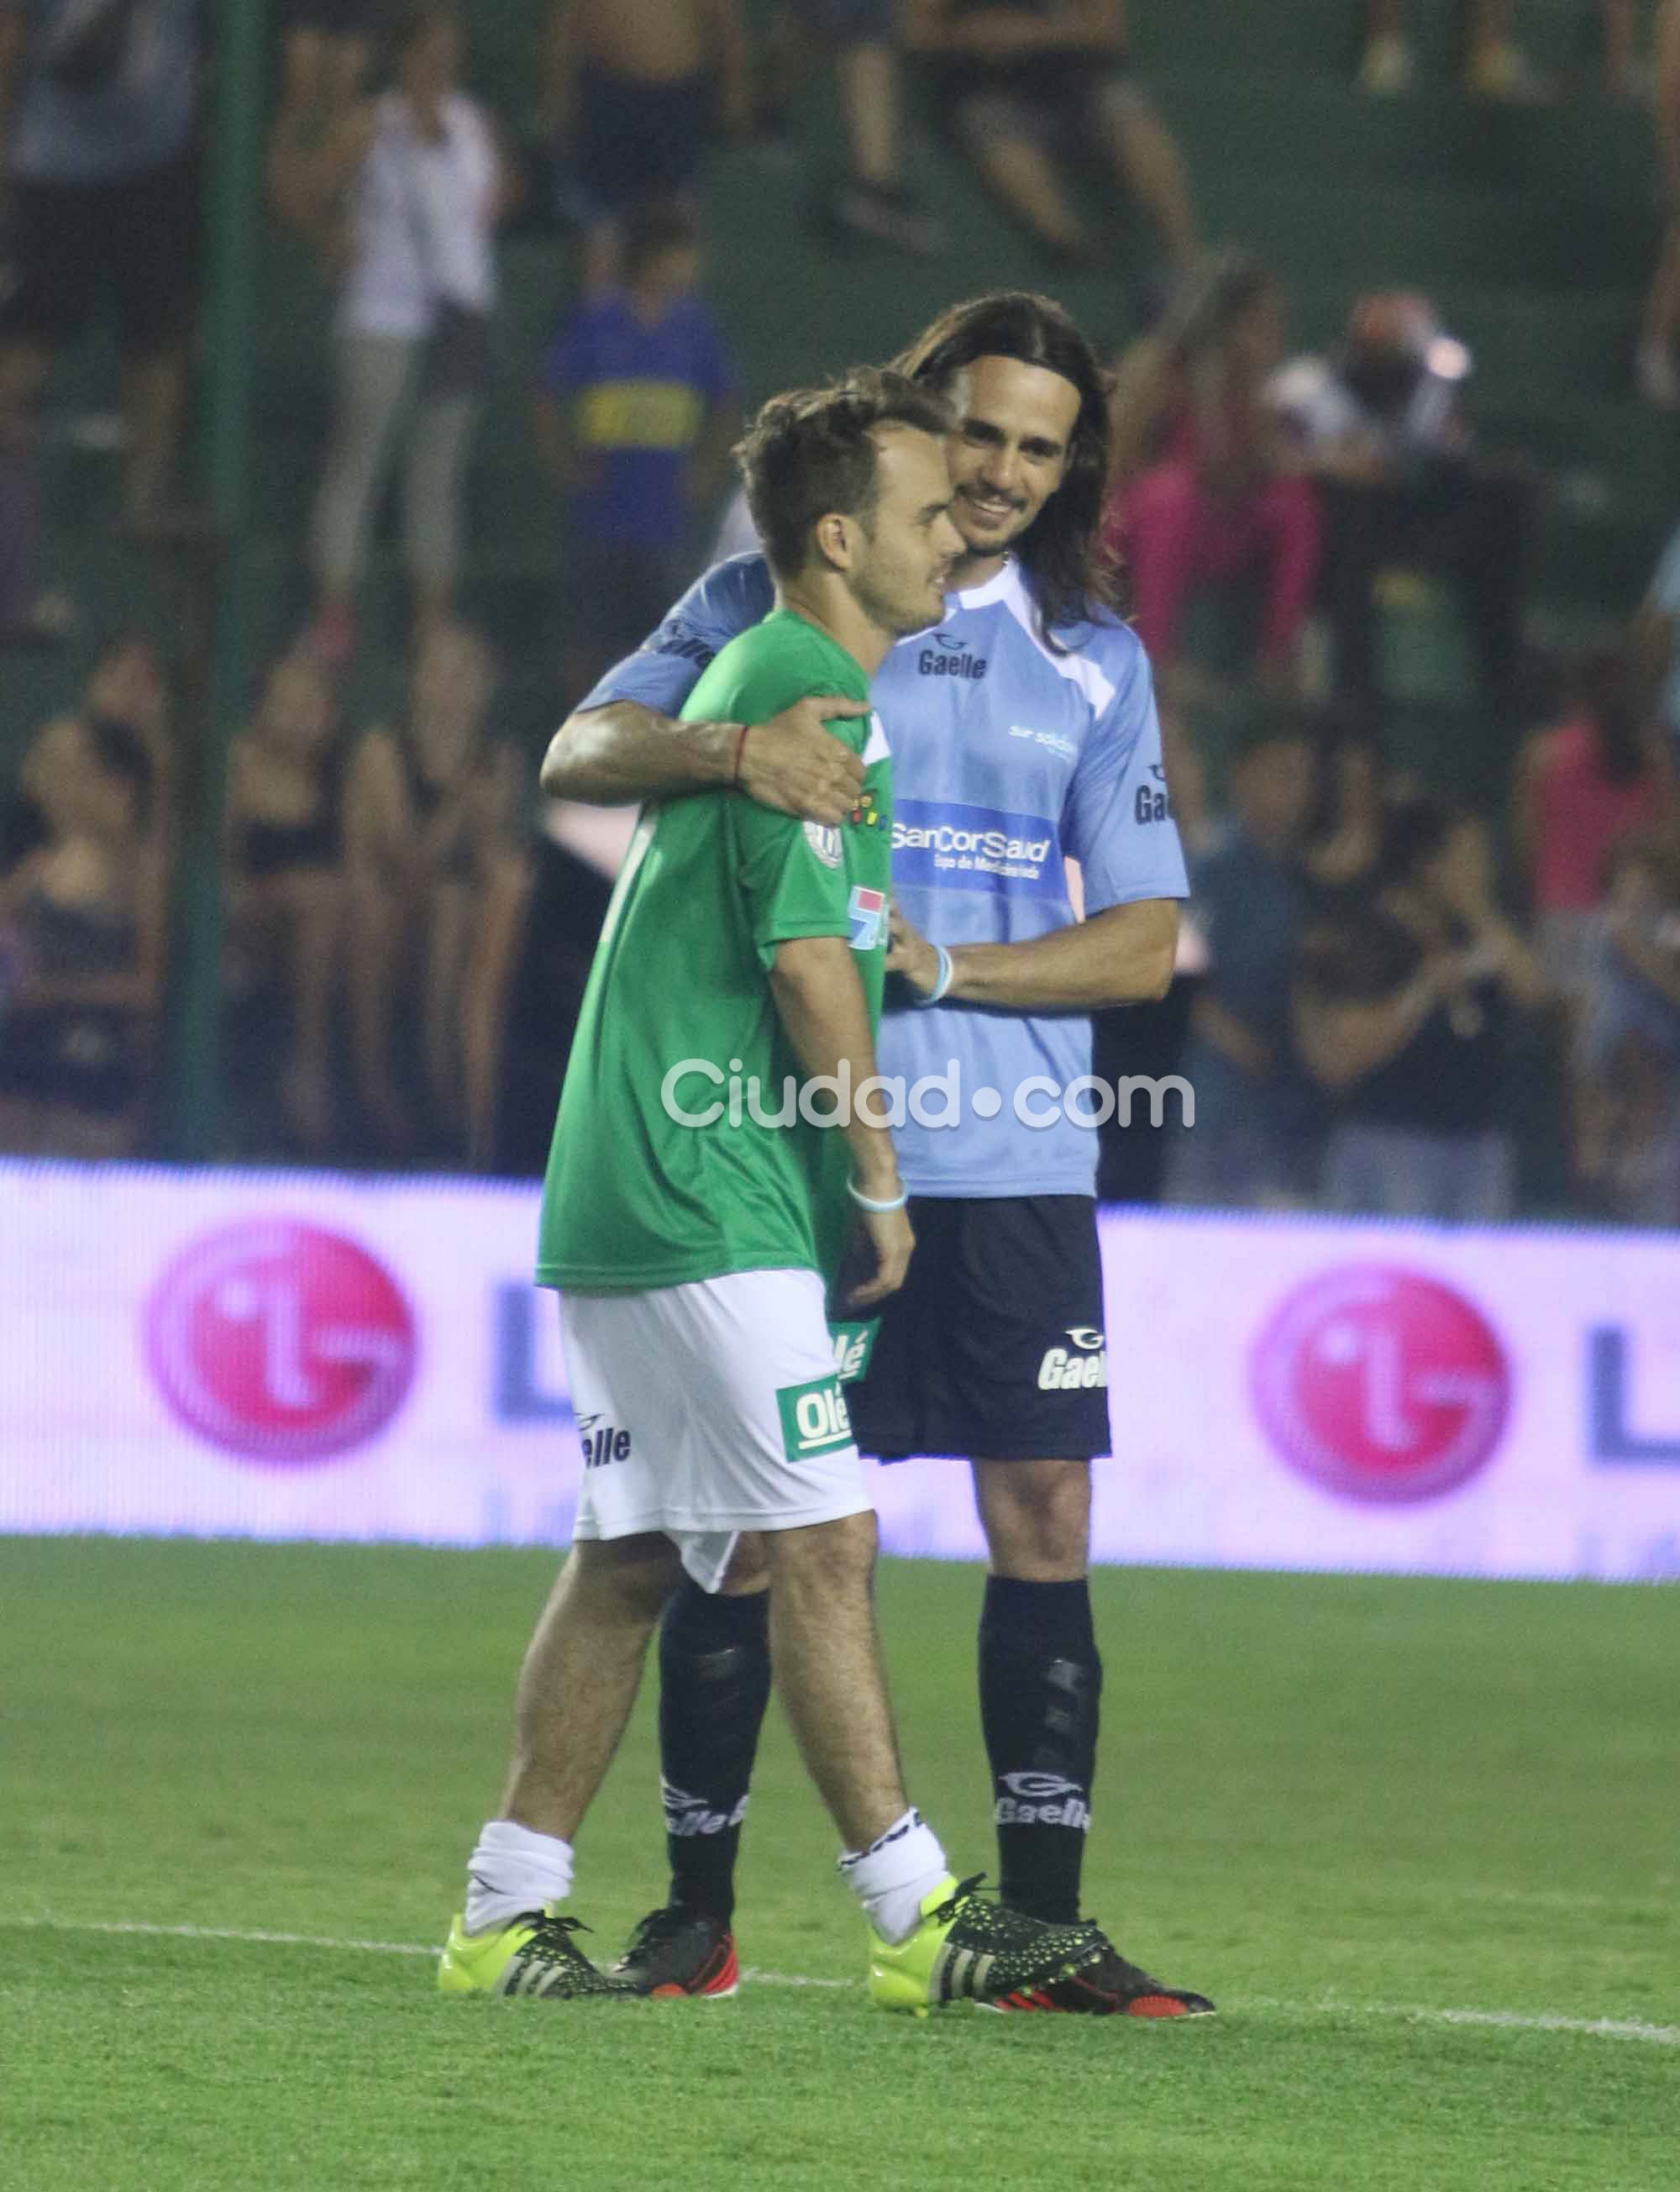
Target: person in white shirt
[405, 193]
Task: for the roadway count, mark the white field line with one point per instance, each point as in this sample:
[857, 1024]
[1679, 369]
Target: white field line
[1506, 2020]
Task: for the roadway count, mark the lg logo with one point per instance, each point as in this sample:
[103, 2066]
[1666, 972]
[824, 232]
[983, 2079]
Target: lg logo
[1380, 1385]
[280, 1343]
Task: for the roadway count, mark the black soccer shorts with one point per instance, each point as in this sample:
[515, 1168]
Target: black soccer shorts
[994, 1349]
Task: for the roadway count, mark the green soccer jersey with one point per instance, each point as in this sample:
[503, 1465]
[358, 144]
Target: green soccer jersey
[635, 1198]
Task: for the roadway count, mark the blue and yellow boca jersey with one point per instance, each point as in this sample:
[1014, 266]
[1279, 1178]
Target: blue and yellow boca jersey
[1010, 759]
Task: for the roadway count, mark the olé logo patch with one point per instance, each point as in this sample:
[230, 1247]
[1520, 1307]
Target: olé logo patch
[815, 1418]
[854, 1344]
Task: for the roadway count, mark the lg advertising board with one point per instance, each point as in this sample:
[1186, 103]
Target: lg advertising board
[295, 1356]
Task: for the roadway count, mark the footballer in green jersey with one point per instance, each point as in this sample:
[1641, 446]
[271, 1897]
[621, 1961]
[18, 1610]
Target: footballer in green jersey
[680, 1152]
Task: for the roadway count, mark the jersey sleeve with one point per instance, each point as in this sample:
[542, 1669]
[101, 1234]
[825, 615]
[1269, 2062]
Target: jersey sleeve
[1118, 822]
[665, 669]
[793, 878]
[792, 874]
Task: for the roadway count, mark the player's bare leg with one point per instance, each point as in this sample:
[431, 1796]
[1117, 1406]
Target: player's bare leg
[826, 1652]
[580, 1678]
[577, 1686]
[1145, 154]
[1036, 1515]
[1019, 170]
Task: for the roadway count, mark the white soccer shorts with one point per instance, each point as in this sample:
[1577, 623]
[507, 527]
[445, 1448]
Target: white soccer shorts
[709, 1409]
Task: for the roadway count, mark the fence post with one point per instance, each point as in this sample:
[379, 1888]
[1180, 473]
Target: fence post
[234, 233]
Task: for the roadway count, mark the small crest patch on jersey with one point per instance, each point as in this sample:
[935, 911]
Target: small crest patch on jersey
[868, 908]
[825, 842]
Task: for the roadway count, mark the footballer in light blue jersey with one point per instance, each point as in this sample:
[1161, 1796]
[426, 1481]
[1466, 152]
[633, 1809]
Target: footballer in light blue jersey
[1010, 759]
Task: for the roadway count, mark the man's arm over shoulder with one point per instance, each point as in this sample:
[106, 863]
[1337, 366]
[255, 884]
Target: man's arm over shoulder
[625, 741]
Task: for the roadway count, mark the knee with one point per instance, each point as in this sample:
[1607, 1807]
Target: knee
[838, 1556]
[627, 1580]
[1036, 1518]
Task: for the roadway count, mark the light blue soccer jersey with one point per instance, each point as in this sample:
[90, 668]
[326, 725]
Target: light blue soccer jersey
[1008, 759]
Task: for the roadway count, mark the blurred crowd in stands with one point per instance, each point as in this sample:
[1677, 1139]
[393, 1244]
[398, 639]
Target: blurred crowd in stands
[1373, 982]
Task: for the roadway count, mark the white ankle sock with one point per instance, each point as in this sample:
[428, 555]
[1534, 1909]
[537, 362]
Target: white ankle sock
[892, 1876]
[512, 1870]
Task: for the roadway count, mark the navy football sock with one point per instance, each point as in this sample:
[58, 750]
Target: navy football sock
[1041, 1684]
[714, 1686]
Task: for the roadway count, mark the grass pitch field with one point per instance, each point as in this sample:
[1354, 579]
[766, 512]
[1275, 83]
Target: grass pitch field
[1417, 1839]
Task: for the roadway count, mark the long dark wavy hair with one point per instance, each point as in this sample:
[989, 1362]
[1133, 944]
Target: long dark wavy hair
[1074, 577]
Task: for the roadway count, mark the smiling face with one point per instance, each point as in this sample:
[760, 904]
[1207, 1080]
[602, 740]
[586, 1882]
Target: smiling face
[908, 542]
[1010, 452]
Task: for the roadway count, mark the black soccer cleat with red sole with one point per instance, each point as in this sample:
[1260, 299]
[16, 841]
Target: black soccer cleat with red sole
[1110, 1987]
[673, 1951]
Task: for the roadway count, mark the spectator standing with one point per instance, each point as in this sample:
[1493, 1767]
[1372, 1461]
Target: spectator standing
[1658, 377]
[1656, 644]
[1627, 1060]
[83, 917]
[1214, 496]
[323, 122]
[634, 93]
[1402, 1013]
[1249, 1142]
[1341, 846]
[1381, 424]
[99, 117]
[436, 878]
[286, 877]
[635, 420]
[1581, 788]
[861, 38]
[421, 178]
[1024, 84]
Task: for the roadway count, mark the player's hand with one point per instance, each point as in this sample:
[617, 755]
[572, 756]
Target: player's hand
[792, 764]
[886, 1235]
[910, 953]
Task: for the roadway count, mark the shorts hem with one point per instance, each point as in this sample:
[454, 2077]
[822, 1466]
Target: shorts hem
[713, 1526]
[985, 1188]
[1034, 1451]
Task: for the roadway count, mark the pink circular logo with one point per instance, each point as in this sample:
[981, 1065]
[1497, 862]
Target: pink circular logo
[281, 1343]
[1381, 1386]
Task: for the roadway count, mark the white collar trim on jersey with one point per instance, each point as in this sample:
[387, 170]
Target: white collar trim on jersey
[1009, 590]
[998, 588]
